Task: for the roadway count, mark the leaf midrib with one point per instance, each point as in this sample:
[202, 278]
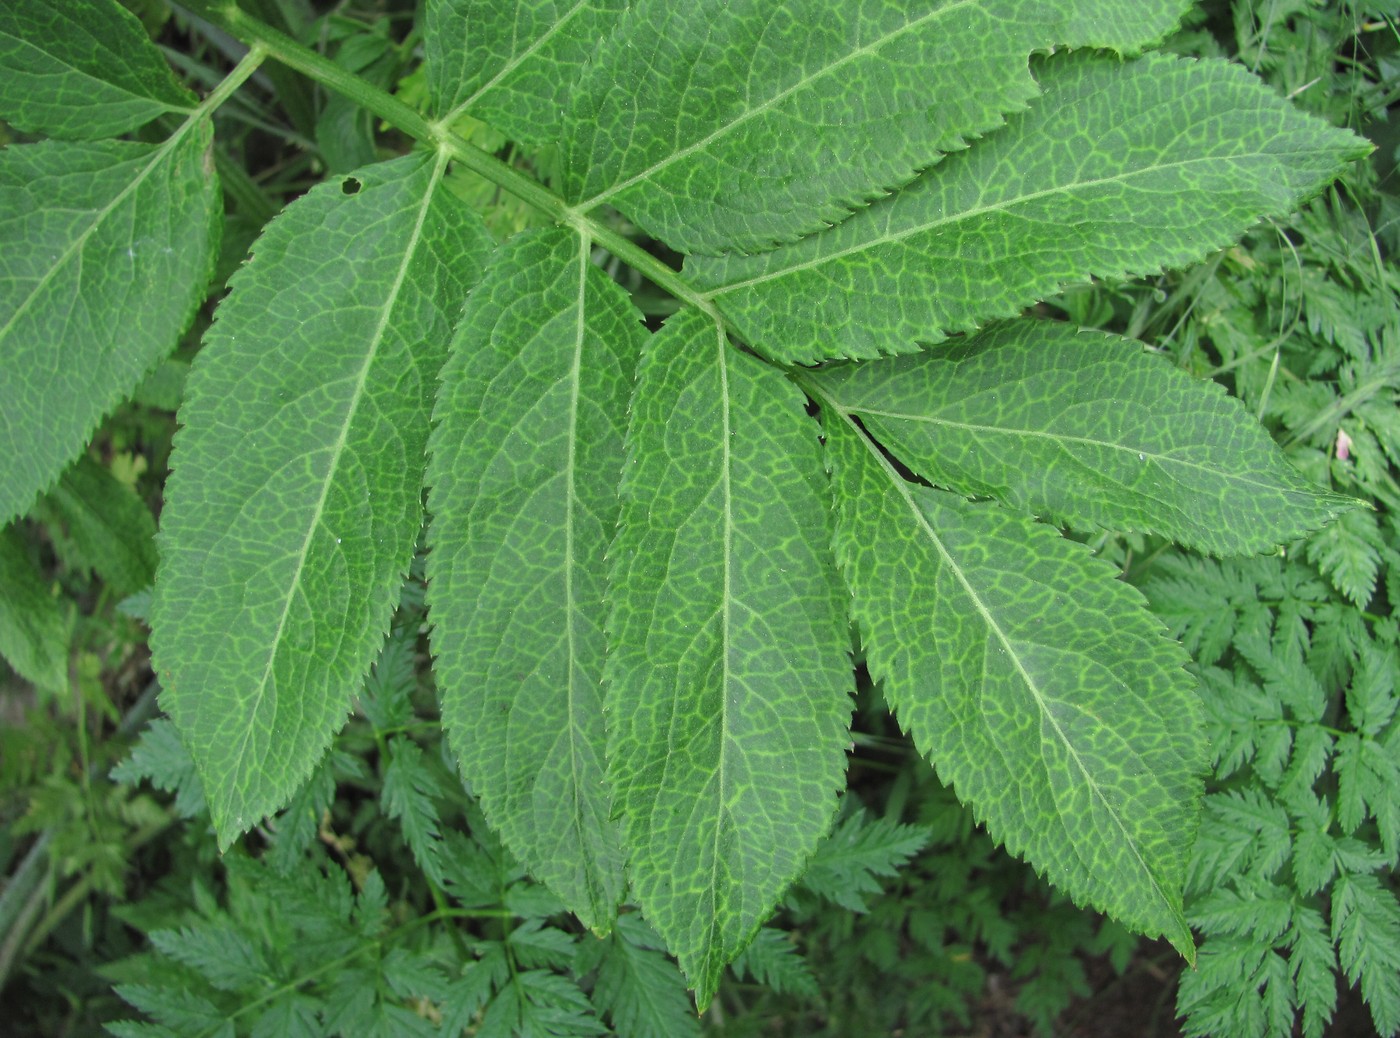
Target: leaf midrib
[725, 621]
[591, 203]
[157, 156]
[903, 489]
[514, 63]
[338, 449]
[1001, 206]
[570, 503]
[1088, 441]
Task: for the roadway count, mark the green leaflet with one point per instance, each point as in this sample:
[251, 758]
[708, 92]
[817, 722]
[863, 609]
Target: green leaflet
[512, 64]
[96, 522]
[110, 247]
[1085, 428]
[95, 229]
[526, 458]
[295, 494]
[81, 69]
[727, 673]
[33, 630]
[1115, 169]
[1038, 685]
[744, 124]
[638, 987]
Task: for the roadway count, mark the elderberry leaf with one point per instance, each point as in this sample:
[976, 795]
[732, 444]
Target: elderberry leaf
[294, 500]
[727, 679]
[1085, 428]
[1115, 169]
[527, 454]
[1035, 682]
[740, 125]
[81, 69]
[110, 248]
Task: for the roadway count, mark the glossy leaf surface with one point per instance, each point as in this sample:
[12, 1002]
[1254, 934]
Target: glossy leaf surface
[1116, 169]
[1039, 686]
[1088, 429]
[526, 458]
[295, 494]
[728, 675]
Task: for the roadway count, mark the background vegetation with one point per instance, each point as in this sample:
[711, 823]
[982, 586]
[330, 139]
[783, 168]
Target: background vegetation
[357, 908]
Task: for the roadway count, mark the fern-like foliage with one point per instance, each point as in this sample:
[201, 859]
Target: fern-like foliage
[645, 554]
[1291, 880]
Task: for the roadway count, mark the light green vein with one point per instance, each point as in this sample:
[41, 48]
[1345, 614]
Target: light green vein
[766, 106]
[338, 448]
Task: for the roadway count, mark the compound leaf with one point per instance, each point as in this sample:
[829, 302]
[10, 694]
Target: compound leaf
[639, 988]
[295, 497]
[1085, 428]
[1037, 684]
[512, 64]
[527, 454]
[773, 961]
[110, 247]
[1349, 554]
[726, 683]
[1366, 928]
[82, 69]
[846, 867]
[1117, 168]
[407, 795]
[746, 124]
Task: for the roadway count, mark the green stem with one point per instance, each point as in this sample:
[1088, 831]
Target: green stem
[82, 889]
[241, 72]
[1344, 405]
[361, 949]
[439, 136]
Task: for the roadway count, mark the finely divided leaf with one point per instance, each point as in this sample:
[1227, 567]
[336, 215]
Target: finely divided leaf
[81, 69]
[639, 988]
[109, 247]
[773, 961]
[1085, 428]
[407, 795]
[160, 758]
[295, 497]
[739, 125]
[527, 454]
[1366, 929]
[1037, 684]
[1115, 169]
[512, 64]
[726, 695]
[847, 866]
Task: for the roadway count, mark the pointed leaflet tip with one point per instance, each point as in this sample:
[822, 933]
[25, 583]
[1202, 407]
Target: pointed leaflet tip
[1117, 168]
[1086, 429]
[526, 458]
[727, 682]
[294, 500]
[1038, 684]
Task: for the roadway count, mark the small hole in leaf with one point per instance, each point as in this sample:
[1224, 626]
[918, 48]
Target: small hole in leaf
[350, 186]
